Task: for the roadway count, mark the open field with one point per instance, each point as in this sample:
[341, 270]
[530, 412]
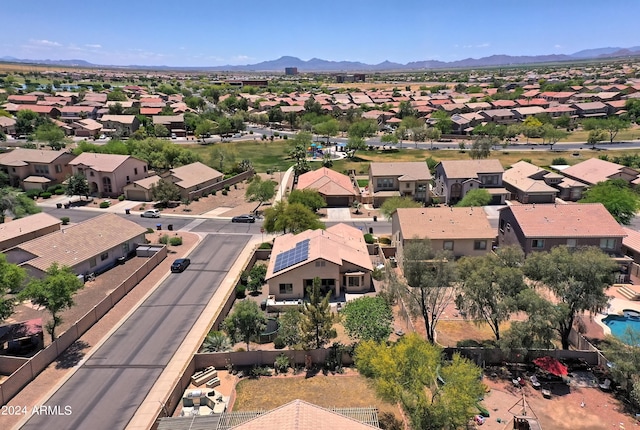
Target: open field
[262, 153]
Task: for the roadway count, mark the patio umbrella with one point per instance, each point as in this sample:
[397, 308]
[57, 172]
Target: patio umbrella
[551, 365]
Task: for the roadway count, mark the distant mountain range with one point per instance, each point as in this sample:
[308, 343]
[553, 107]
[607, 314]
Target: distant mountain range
[319, 65]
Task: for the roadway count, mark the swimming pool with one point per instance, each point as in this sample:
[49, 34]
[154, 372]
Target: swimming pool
[621, 326]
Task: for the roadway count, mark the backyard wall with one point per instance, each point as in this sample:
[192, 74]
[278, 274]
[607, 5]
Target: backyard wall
[220, 185]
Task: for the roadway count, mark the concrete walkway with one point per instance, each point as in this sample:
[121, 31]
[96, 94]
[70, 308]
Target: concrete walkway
[338, 214]
[282, 189]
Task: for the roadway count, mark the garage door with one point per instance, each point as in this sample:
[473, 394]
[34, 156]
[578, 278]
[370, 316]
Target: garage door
[136, 195]
[336, 202]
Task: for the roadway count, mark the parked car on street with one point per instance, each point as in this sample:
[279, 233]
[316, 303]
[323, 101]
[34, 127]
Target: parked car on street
[151, 213]
[244, 218]
[180, 264]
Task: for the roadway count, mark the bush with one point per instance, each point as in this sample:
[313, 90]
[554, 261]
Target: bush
[59, 192]
[150, 230]
[164, 239]
[52, 189]
[213, 193]
[368, 238]
[282, 363]
[226, 188]
[32, 193]
[258, 371]
[45, 195]
[385, 241]
[104, 205]
[241, 292]
[265, 245]
[121, 198]
[224, 192]
[278, 343]
[377, 274]
[65, 220]
[559, 161]
[175, 241]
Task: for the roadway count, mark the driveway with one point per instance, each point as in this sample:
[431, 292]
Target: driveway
[106, 390]
[338, 214]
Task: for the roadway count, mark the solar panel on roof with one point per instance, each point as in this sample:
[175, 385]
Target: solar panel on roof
[292, 256]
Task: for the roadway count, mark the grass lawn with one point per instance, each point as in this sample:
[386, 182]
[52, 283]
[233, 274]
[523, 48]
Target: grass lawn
[326, 391]
[263, 154]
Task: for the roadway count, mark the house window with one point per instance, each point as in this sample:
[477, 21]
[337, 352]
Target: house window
[407, 185]
[58, 168]
[490, 180]
[571, 243]
[286, 288]
[135, 170]
[320, 263]
[104, 256]
[480, 245]
[106, 185]
[385, 183]
[353, 281]
[145, 168]
[41, 169]
[448, 245]
[503, 223]
[607, 243]
[537, 243]
[92, 262]
[128, 180]
[91, 173]
[125, 248]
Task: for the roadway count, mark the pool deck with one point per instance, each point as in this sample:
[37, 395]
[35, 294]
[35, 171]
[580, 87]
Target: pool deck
[618, 303]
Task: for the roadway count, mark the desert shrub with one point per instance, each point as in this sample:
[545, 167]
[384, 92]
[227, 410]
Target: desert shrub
[282, 363]
[121, 197]
[559, 161]
[241, 291]
[225, 192]
[213, 192]
[164, 239]
[104, 205]
[278, 343]
[45, 195]
[150, 230]
[258, 371]
[368, 238]
[385, 241]
[59, 192]
[265, 245]
[377, 274]
[226, 188]
[65, 220]
[32, 193]
[175, 241]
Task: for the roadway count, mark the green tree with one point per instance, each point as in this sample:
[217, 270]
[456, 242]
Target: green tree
[363, 128]
[430, 278]
[161, 130]
[54, 292]
[260, 191]
[411, 372]
[613, 126]
[327, 128]
[290, 331]
[537, 331]
[355, 144]
[11, 278]
[481, 147]
[532, 127]
[307, 197]
[52, 134]
[390, 205]
[596, 136]
[317, 319]
[444, 124]
[223, 157]
[165, 191]
[552, 135]
[25, 206]
[368, 318]
[617, 196]
[116, 109]
[578, 279]
[117, 95]
[216, 341]
[433, 133]
[625, 356]
[256, 277]
[205, 128]
[490, 285]
[290, 217]
[245, 322]
[477, 197]
[77, 185]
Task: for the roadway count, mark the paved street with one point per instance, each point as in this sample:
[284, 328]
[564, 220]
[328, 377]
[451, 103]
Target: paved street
[106, 390]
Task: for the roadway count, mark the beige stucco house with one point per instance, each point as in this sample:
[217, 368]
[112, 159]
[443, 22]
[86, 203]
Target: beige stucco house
[90, 246]
[108, 174]
[336, 188]
[455, 178]
[36, 168]
[462, 231]
[409, 179]
[337, 255]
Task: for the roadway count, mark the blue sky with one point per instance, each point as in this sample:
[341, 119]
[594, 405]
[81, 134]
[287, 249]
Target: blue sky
[214, 32]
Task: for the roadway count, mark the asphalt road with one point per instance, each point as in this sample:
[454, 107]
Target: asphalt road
[108, 388]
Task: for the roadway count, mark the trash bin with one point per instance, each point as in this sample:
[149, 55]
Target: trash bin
[170, 227]
[370, 230]
[375, 218]
[159, 226]
[59, 205]
[127, 211]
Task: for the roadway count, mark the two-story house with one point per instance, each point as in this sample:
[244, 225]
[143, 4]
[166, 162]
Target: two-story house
[455, 178]
[409, 179]
[174, 123]
[531, 184]
[108, 174]
[35, 168]
[126, 125]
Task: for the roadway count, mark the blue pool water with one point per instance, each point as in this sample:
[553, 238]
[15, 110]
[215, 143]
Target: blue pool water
[622, 325]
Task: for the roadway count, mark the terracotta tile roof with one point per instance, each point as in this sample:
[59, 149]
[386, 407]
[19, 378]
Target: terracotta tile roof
[560, 108]
[570, 220]
[146, 183]
[416, 169]
[37, 108]
[503, 103]
[89, 124]
[632, 241]
[327, 182]
[7, 122]
[462, 169]
[26, 225]
[167, 119]
[444, 223]
[336, 244]
[150, 110]
[76, 109]
[193, 174]
[590, 106]
[300, 415]
[529, 110]
[122, 119]
[22, 98]
[21, 156]
[80, 242]
[99, 162]
[593, 170]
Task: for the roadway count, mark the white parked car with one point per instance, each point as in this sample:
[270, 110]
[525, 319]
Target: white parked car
[152, 213]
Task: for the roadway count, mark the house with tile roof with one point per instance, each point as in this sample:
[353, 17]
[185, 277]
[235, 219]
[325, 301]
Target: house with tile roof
[631, 244]
[7, 125]
[407, 179]
[21, 230]
[336, 189]
[35, 168]
[531, 184]
[542, 227]
[337, 255]
[174, 123]
[125, 125]
[455, 178]
[108, 174]
[90, 246]
[596, 170]
[461, 231]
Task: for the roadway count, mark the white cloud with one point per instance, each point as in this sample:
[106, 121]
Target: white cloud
[93, 45]
[480, 45]
[44, 42]
[557, 46]
[240, 58]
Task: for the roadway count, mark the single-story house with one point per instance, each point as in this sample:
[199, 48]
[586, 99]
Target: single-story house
[596, 170]
[87, 128]
[15, 232]
[7, 125]
[337, 255]
[336, 189]
[88, 247]
[462, 231]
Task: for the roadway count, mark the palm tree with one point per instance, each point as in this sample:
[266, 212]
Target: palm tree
[216, 341]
